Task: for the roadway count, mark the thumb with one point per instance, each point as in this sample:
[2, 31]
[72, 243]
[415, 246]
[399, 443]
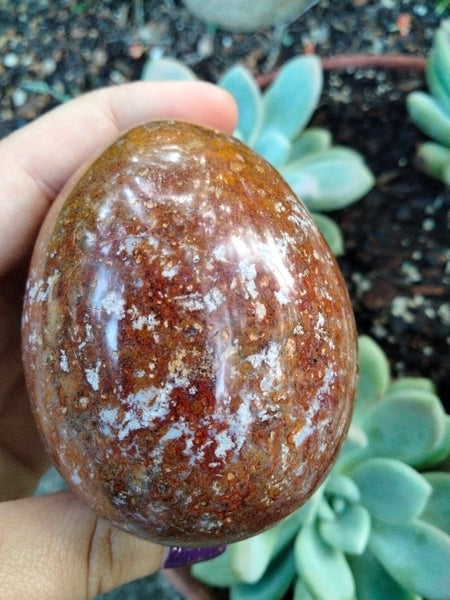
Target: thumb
[55, 548]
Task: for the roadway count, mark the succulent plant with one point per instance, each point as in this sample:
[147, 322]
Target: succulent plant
[273, 123]
[379, 526]
[442, 6]
[431, 112]
[241, 15]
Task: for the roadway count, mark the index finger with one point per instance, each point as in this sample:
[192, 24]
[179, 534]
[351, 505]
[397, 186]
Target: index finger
[36, 161]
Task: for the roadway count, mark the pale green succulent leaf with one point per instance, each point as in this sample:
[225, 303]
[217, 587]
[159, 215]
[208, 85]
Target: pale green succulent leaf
[331, 232]
[434, 160]
[374, 375]
[435, 84]
[216, 572]
[416, 555]
[307, 513]
[325, 512]
[291, 99]
[301, 592]
[313, 139]
[437, 509]
[446, 175]
[342, 486]
[287, 529]
[391, 490]
[329, 180]
[373, 582]
[273, 585]
[429, 116]
[355, 448]
[323, 569]
[240, 83]
[441, 54]
[274, 146]
[356, 436]
[349, 531]
[249, 559]
[166, 69]
[412, 383]
[42, 87]
[440, 452]
[407, 426]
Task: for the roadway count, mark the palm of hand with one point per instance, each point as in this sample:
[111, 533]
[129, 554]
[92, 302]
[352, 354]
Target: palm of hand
[63, 547]
[22, 456]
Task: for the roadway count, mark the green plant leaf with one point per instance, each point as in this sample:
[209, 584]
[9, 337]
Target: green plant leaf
[391, 490]
[307, 513]
[324, 510]
[249, 559]
[407, 426]
[429, 116]
[275, 583]
[373, 582]
[436, 85]
[239, 82]
[342, 486]
[349, 531]
[329, 180]
[274, 146]
[416, 555]
[434, 160]
[437, 509]
[331, 232]
[166, 69]
[42, 87]
[354, 449]
[323, 569]
[291, 99]
[441, 53]
[440, 452]
[301, 592]
[374, 375]
[313, 139]
[412, 383]
[216, 572]
[286, 530]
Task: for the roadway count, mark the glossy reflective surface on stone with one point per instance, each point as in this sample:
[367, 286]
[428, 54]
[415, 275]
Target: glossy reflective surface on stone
[189, 345]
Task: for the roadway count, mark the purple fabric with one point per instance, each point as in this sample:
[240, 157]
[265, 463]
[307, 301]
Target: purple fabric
[183, 557]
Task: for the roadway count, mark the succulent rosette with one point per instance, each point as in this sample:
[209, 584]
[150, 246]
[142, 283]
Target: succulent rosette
[379, 526]
[431, 111]
[274, 123]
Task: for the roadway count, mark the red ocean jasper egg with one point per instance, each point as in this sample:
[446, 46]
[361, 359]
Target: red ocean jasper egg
[188, 341]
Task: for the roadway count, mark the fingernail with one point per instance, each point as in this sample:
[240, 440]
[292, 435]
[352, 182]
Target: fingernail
[184, 557]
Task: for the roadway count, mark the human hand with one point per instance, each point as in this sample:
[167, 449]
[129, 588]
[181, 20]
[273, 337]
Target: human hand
[54, 547]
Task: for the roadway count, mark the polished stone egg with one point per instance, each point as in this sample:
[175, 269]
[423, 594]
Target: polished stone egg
[188, 341]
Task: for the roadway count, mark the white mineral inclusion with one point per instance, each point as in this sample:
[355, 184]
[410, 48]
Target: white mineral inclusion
[75, 477]
[140, 321]
[113, 304]
[247, 271]
[93, 376]
[38, 291]
[170, 271]
[63, 361]
[260, 311]
[308, 427]
[213, 299]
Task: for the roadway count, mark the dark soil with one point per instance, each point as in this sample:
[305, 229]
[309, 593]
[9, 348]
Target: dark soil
[397, 239]
[397, 261]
